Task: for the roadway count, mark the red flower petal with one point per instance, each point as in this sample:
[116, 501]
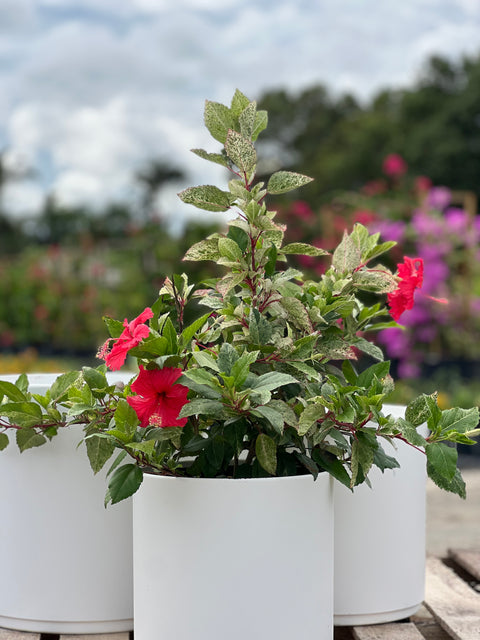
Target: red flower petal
[159, 400]
[131, 336]
[410, 273]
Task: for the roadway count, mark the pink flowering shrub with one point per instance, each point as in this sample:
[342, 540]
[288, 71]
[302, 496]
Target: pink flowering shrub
[424, 222]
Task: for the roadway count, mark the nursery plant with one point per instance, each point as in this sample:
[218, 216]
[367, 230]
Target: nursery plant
[266, 380]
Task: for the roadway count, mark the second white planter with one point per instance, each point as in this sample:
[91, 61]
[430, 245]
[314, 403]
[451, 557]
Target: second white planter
[380, 541]
[236, 559]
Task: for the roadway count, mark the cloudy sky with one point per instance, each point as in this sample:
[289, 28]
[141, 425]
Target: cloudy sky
[91, 89]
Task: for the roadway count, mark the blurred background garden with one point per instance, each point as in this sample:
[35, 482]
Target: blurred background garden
[402, 157]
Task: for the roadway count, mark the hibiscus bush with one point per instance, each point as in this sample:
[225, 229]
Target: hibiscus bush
[264, 381]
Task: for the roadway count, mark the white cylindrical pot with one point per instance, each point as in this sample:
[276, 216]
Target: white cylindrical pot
[380, 541]
[222, 558]
[67, 561]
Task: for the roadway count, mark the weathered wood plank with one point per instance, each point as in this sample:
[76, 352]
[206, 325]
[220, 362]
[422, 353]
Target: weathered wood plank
[123, 635]
[391, 631]
[10, 634]
[467, 559]
[452, 602]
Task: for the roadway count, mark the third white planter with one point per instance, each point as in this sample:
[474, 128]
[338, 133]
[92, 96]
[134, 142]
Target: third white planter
[66, 560]
[380, 541]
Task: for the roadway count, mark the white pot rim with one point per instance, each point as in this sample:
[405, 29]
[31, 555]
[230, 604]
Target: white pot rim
[278, 479]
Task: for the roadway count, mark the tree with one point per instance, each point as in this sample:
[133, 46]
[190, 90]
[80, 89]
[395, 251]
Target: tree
[434, 125]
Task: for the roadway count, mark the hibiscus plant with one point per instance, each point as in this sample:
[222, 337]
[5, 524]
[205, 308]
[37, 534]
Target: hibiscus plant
[275, 375]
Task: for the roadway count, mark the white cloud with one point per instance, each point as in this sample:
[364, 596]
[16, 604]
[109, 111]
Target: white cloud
[106, 85]
[23, 198]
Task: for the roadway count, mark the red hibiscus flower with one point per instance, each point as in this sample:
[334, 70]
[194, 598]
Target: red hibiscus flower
[159, 400]
[130, 337]
[411, 278]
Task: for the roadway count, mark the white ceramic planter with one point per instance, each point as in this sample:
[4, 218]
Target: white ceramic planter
[236, 559]
[380, 541]
[66, 560]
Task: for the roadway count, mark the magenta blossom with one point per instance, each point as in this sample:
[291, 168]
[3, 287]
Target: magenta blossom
[394, 165]
[439, 198]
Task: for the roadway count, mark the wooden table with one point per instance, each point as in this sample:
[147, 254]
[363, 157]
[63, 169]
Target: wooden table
[451, 609]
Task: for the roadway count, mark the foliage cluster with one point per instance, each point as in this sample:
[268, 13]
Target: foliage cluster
[264, 381]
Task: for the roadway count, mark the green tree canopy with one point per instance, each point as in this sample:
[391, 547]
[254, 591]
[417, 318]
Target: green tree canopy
[434, 125]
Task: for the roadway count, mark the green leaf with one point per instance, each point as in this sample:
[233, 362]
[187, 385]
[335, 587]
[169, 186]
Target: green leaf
[442, 459]
[118, 460]
[363, 453]
[274, 417]
[115, 327]
[261, 122]
[283, 181]
[347, 256]
[455, 485]
[28, 438]
[94, 378]
[23, 414]
[147, 446]
[308, 463]
[229, 249]
[375, 280]
[169, 333]
[303, 249]
[204, 359]
[272, 380]
[153, 346]
[266, 452]
[376, 371]
[218, 120]
[202, 377]
[369, 348]
[203, 406]
[410, 433]
[423, 409]
[62, 384]
[124, 481]
[22, 382]
[227, 358]
[207, 197]
[259, 328]
[378, 250]
[383, 461]
[203, 250]
[214, 450]
[246, 120]
[229, 282]
[297, 313]
[460, 420]
[332, 465]
[3, 441]
[12, 392]
[99, 450]
[218, 158]
[188, 333]
[239, 236]
[241, 368]
[239, 103]
[126, 420]
[241, 151]
[309, 416]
